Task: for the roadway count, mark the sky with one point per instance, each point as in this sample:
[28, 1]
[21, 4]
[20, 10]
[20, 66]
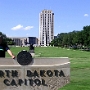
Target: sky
[20, 18]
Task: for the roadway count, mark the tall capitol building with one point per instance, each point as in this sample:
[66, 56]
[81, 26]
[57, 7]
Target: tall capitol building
[46, 27]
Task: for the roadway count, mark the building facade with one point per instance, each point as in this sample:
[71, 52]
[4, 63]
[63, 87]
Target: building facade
[25, 41]
[32, 40]
[19, 41]
[46, 27]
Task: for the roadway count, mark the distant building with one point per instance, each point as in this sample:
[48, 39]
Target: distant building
[55, 37]
[32, 40]
[19, 41]
[46, 27]
[24, 41]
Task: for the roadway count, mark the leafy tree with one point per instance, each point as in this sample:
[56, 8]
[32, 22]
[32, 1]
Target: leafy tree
[75, 38]
[7, 40]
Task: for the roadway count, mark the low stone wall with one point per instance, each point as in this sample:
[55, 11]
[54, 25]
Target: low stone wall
[42, 74]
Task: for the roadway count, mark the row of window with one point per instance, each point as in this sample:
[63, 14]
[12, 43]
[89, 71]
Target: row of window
[48, 33]
[45, 21]
[48, 37]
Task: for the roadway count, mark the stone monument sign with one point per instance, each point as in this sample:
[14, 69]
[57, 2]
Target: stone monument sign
[42, 74]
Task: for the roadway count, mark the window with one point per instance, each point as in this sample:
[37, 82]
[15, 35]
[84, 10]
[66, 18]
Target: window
[42, 42]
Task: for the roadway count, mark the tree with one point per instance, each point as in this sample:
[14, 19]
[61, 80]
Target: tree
[74, 38]
[7, 40]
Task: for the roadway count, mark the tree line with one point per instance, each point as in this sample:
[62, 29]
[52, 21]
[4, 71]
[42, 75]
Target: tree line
[74, 39]
[7, 40]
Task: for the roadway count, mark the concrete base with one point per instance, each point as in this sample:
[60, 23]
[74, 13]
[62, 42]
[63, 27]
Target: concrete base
[33, 54]
[42, 74]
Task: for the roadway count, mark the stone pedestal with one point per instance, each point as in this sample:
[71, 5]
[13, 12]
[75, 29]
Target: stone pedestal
[32, 53]
[42, 74]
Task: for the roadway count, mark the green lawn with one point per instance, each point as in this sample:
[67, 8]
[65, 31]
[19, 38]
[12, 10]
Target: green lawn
[80, 64]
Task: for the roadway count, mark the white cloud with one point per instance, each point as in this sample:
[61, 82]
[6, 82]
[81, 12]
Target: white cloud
[86, 15]
[21, 27]
[18, 27]
[28, 27]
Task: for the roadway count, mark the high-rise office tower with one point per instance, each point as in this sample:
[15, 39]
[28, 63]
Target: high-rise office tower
[46, 27]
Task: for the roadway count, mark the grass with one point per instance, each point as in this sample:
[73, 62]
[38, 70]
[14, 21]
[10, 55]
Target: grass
[79, 67]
